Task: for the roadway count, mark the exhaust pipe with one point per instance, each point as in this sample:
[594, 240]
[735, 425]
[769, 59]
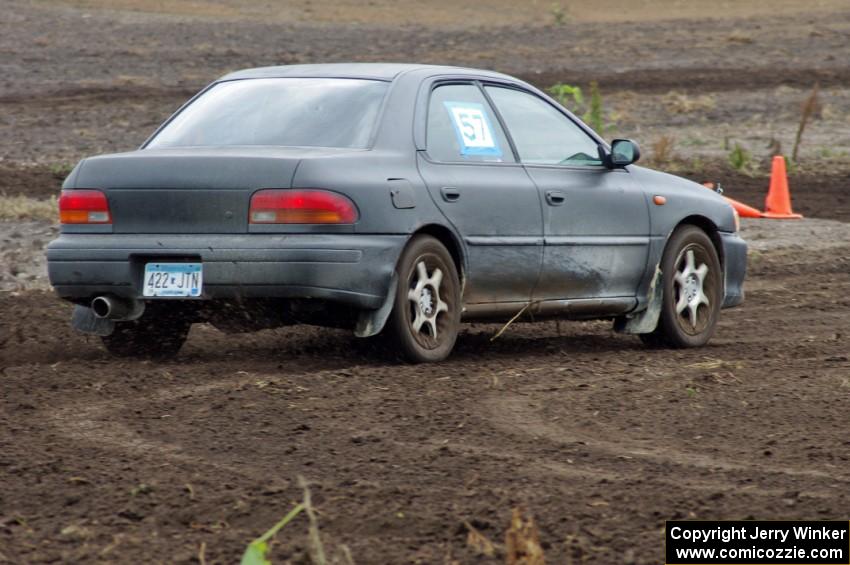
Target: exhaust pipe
[112, 308]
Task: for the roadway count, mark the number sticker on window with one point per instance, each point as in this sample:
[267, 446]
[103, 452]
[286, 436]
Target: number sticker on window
[473, 130]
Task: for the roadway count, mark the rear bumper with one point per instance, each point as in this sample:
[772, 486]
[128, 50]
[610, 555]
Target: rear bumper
[735, 266]
[346, 268]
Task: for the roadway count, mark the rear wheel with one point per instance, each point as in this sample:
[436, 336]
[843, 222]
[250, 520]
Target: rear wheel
[692, 291]
[426, 316]
[156, 335]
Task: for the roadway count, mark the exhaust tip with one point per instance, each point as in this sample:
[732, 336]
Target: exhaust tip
[102, 306]
[117, 309]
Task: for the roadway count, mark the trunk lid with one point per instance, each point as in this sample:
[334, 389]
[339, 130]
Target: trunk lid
[188, 190]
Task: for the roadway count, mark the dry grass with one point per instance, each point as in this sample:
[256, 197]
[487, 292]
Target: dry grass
[741, 37]
[810, 108]
[662, 150]
[479, 542]
[24, 208]
[712, 363]
[315, 545]
[679, 103]
[522, 541]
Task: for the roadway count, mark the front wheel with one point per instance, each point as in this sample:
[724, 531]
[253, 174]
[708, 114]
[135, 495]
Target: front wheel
[692, 291]
[425, 319]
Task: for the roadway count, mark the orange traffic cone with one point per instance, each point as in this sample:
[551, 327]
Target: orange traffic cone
[743, 210]
[777, 205]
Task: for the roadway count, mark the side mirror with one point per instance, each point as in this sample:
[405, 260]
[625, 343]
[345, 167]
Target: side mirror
[623, 152]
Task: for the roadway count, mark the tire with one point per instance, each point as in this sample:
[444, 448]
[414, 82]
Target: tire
[425, 319]
[156, 335]
[692, 291]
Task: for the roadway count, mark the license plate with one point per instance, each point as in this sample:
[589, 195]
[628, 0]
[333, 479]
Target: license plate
[173, 279]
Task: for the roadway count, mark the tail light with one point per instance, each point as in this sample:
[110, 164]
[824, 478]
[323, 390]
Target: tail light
[299, 206]
[84, 207]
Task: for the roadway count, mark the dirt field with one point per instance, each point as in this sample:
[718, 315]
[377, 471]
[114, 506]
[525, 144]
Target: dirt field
[598, 438]
[459, 14]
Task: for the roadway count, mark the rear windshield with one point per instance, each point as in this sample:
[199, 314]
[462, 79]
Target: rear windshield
[313, 112]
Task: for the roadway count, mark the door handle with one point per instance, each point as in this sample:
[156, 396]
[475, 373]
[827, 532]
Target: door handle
[450, 193]
[555, 197]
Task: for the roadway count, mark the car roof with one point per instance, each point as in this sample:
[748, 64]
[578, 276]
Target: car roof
[375, 71]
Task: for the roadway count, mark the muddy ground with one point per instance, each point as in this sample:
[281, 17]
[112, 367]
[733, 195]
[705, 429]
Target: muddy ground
[601, 440]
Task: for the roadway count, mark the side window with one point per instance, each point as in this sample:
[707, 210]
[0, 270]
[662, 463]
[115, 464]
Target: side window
[462, 127]
[542, 134]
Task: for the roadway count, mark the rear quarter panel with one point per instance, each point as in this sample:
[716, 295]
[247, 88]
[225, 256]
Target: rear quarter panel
[366, 179]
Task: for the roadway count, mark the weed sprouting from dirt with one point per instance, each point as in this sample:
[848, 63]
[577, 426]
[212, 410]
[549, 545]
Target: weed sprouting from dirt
[257, 551]
[741, 159]
[593, 116]
[810, 107]
[572, 98]
[568, 96]
[791, 166]
[559, 13]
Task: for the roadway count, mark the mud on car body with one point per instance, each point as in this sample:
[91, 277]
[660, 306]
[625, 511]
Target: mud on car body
[391, 199]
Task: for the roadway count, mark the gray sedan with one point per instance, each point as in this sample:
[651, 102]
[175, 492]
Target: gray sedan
[389, 199]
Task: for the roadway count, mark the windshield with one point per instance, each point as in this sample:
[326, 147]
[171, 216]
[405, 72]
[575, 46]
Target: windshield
[313, 112]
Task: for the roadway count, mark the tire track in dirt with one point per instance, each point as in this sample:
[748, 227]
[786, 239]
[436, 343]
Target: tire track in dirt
[96, 422]
[706, 79]
[511, 414]
[541, 464]
[646, 81]
[93, 95]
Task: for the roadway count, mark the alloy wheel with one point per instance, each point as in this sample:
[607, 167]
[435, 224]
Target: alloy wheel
[693, 284]
[426, 304]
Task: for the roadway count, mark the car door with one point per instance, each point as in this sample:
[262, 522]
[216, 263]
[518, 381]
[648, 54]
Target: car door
[473, 176]
[596, 220]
